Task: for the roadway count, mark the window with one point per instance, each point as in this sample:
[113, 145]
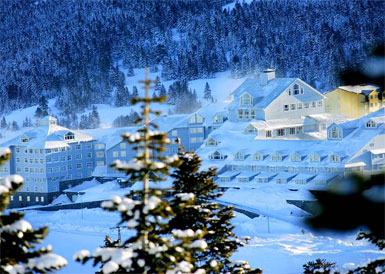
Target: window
[252, 114]
[100, 154]
[122, 145]
[62, 159]
[122, 153]
[246, 113]
[306, 105]
[299, 130]
[296, 89]
[335, 133]
[289, 91]
[18, 169]
[334, 158]
[313, 104]
[69, 157]
[286, 108]
[20, 198]
[281, 132]
[24, 139]
[239, 156]
[26, 160]
[28, 198]
[240, 114]
[78, 146]
[56, 159]
[36, 190]
[69, 136]
[319, 103]
[17, 160]
[370, 124]
[100, 163]
[211, 142]
[292, 106]
[246, 100]
[115, 154]
[302, 90]
[295, 157]
[63, 168]
[89, 155]
[79, 166]
[88, 145]
[199, 139]
[257, 157]
[299, 106]
[218, 119]
[11, 197]
[69, 167]
[49, 170]
[292, 130]
[99, 146]
[78, 156]
[268, 133]
[89, 164]
[42, 199]
[192, 130]
[250, 129]
[276, 157]
[193, 140]
[41, 161]
[216, 156]
[174, 133]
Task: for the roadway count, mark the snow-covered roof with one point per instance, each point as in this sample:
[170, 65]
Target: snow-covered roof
[265, 94]
[229, 173]
[285, 175]
[377, 151]
[247, 174]
[359, 88]
[48, 135]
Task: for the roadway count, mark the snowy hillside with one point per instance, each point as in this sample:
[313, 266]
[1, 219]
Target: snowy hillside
[221, 87]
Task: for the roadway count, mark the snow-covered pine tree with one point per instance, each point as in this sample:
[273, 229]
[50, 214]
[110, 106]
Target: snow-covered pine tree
[93, 118]
[207, 93]
[205, 214]
[135, 93]
[18, 239]
[144, 212]
[3, 123]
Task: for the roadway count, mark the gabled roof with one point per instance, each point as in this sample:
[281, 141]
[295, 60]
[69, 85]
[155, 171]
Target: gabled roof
[263, 95]
[359, 89]
[48, 136]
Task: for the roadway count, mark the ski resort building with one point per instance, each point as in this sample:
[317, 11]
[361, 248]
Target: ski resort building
[354, 101]
[190, 129]
[354, 146]
[269, 98]
[50, 158]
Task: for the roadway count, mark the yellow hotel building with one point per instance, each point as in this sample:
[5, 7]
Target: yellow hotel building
[354, 101]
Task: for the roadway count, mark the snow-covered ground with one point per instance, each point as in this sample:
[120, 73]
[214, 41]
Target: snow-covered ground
[281, 242]
[284, 250]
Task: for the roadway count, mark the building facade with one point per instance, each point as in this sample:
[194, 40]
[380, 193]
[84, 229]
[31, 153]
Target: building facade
[50, 158]
[354, 101]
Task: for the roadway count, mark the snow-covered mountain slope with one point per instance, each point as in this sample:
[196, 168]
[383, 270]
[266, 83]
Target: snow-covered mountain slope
[221, 87]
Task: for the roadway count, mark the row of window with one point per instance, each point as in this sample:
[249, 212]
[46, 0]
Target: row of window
[302, 105]
[31, 160]
[246, 114]
[58, 149]
[69, 167]
[301, 169]
[194, 130]
[276, 157]
[28, 198]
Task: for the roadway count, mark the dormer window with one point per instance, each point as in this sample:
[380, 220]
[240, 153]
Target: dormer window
[335, 133]
[257, 156]
[24, 139]
[314, 157]
[218, 119]
[239, 156]
[69, 136]
[296, 89]
[295, 157]
[216, 156]
[371, 124]
[211, 142]
[276, 157]
[246, 99]
[196, 119]
[334, 158]
[250, 129]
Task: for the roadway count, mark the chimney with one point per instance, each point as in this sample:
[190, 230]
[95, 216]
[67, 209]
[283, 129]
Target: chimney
[267, 75]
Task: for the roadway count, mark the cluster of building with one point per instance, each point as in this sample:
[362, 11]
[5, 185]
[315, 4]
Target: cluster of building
[274, 130]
